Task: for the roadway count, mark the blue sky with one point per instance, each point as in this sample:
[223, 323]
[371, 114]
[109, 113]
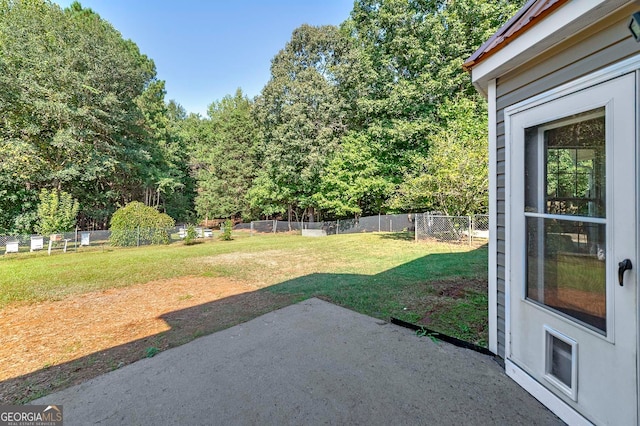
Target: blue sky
[206, 49]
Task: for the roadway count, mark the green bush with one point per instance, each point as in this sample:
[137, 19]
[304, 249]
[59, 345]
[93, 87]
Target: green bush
[136, 224]
[226, 230]
[57, 212]
[190, 237]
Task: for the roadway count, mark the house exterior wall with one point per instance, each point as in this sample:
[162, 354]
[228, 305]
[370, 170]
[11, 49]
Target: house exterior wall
[600, 45]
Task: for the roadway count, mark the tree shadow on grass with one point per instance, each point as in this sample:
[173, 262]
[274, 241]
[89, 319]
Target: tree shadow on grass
[382, 295]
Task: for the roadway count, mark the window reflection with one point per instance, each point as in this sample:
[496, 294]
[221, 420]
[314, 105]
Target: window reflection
[576, 168]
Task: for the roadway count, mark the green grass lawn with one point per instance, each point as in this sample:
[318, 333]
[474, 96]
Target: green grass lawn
[382, 275]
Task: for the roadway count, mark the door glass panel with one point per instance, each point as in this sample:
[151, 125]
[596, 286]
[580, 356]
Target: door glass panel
[565, 175]
[566, 268]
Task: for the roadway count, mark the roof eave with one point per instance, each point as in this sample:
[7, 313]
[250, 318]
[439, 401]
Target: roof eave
[482, 51]
[568, 19]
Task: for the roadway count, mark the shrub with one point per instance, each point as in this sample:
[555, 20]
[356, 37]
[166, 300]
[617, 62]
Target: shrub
[226, 231]
[190, 237]
[136, 224]
[57, 212]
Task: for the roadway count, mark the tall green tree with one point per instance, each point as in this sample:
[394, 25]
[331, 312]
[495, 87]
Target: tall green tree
[167, 184]
[180, 203]
[226, 159]
[68, 85]
[300, 118]
[410, 63]
[453, 177]
[353, 183]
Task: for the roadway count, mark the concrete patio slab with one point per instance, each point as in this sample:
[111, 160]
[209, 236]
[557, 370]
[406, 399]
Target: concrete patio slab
[307, 364]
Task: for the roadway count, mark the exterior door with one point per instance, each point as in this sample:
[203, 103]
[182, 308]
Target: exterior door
[572, 221]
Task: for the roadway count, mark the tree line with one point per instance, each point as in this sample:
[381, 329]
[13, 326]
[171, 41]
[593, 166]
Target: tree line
[375, 115]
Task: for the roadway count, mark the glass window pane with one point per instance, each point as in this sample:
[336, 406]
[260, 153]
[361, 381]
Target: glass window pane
[565, 166]
[566, 268]
[575, 177]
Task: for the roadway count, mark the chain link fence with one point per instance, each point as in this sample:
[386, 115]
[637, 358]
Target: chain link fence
[480, 226]
[424, 226]
[452, 229]
[380, 223]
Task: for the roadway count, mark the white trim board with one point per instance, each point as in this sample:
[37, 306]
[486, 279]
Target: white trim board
[548, 399]
[609, 73]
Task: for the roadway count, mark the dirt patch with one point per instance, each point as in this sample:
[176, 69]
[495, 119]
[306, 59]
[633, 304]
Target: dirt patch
[451, 289]
[459, 288]
[426, 297]
[51, 345]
